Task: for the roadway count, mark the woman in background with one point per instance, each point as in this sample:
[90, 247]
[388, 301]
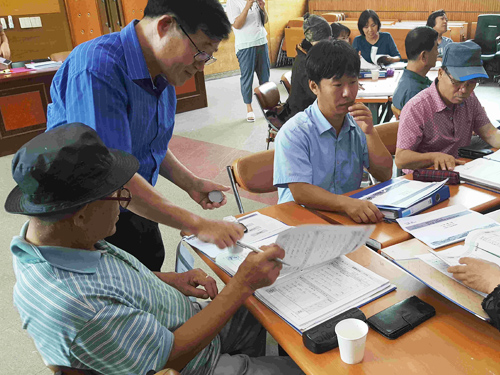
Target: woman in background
[369, 27]
[4, 45]
[439, 22]
[248, 18]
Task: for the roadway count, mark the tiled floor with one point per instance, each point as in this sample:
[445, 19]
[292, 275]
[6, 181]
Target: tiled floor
[205, 140]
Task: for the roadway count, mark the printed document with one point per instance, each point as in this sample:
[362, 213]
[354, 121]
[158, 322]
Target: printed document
[445, 226]
[482, 171]
[320, 281]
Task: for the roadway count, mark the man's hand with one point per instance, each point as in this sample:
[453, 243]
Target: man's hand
[259, 269]
[262, 4]
[477, 274]
[363, 117]
[219, 232]
[188, 282]
[200, 190]
[445, 161]
[362, 211]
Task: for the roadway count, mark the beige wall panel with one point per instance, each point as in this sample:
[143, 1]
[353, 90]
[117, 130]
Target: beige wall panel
[24, 7]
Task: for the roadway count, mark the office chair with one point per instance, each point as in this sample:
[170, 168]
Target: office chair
[253, 173]
[487, 32]
[59, 370]
[397, 112]
[268, 97]
[286, 81]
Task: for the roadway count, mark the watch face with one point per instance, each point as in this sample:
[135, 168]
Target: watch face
[215, 196]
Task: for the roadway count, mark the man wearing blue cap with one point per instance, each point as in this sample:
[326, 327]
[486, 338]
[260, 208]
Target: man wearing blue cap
[440, 119]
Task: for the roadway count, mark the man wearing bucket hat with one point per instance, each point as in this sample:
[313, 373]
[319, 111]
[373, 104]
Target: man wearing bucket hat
[440, 119]
[90, 305]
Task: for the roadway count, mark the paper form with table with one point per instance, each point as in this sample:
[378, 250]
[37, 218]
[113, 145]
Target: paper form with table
[445, 226]
[321, 281]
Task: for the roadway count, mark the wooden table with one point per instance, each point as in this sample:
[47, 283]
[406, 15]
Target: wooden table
[390, 233]
[452, 342]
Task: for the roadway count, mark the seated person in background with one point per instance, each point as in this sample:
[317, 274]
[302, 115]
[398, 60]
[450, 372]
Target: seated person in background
[440, 119]
[316, 28]
[439, 22]
[483, 276]
[4, 44]
[90, 305]
[341, 32]
[320, 153]
[372, 41]
[421, 49]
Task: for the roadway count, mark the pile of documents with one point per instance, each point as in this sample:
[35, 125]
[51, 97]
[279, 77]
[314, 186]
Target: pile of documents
[484, 171]
[319, 281]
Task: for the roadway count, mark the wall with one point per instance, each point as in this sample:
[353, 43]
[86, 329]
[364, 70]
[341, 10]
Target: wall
[279, 12]
[457, 10]
[37, 43]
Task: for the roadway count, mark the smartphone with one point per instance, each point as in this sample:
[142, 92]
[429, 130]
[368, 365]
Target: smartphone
[4, 63]
[471, 153]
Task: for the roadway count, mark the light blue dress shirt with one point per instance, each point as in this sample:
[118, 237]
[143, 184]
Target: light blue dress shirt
[105, 84]
[100, 310]
[308, 150]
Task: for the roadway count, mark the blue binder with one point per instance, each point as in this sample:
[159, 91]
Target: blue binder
[393, 213]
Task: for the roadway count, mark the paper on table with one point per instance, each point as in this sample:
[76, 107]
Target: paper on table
[259, 228]
[481, 171]
[445, 226]
[403, 193]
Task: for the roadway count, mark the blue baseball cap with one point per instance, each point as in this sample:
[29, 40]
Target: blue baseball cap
[463, 61]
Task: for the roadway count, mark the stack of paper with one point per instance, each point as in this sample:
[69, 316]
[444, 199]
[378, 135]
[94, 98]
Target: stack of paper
[483, 171]
[320, 281]
[446, 226]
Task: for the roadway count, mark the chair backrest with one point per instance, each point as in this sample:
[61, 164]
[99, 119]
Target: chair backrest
[253, 173]
[388, 133]
[397, 112]
[286, 81]
[487, 30]
[268, 95]
[59, 56]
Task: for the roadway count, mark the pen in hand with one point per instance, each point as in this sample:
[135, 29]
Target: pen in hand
[256, 250]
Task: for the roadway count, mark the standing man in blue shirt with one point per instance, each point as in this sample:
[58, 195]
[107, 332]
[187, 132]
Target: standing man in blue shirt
[422, 52]
[320, 153]
[122, 85]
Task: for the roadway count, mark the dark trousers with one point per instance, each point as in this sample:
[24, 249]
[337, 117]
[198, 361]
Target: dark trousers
[141, 238]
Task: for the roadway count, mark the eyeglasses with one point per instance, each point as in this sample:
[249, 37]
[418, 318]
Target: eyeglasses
[123, 195]
[201, 56]
[459, 84]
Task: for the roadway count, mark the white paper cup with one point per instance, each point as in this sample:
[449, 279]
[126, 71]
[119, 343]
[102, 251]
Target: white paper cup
[351, 335]
[375, 74]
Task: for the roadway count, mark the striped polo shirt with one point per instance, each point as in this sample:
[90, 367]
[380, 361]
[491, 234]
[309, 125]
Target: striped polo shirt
[101, 310]
[105, 84]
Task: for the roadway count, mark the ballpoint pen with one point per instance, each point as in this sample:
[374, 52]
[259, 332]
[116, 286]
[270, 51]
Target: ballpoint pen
[256, 250]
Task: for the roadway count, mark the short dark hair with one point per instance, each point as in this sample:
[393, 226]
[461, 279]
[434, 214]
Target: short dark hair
[205, 15]
[431, 21]
[332, 59]
[364, 17]
[338, 28]
[420, 39]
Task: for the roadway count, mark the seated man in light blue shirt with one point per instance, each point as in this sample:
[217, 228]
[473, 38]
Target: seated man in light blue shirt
[321, 152]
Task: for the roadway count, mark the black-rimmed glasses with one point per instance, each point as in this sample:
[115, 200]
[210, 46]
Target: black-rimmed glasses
[454, 82]
[122, 195]
[201, 56]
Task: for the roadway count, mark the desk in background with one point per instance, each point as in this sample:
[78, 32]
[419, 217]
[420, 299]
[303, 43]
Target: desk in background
[453, 341]
[387, 234]
[24, 98]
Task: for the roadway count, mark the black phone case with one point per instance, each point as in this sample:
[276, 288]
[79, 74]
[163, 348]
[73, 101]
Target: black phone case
[322, 338]
[400, 318]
